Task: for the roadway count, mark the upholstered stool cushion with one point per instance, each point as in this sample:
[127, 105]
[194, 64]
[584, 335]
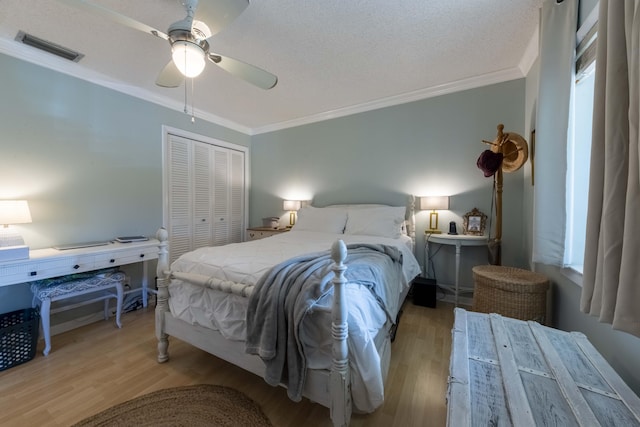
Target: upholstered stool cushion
[74, 283]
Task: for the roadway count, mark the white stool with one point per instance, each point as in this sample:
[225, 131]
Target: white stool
[50, 290]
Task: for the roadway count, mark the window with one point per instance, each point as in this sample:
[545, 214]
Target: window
[579, 149]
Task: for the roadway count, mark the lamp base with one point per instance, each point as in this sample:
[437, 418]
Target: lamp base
[13, 253]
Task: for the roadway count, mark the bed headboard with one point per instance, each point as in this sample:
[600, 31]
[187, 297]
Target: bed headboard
[409, 225]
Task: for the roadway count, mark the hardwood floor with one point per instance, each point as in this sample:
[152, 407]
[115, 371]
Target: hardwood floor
[97, 366]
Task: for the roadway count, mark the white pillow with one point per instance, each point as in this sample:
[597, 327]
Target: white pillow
[385, 221]
[320, 219]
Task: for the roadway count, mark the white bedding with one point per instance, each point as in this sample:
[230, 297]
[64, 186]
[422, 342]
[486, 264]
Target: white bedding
[246, 262]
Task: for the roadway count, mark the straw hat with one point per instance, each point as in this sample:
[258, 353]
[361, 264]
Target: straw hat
[513, 148]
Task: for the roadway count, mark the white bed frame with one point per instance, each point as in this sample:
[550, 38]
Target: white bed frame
[328, 388]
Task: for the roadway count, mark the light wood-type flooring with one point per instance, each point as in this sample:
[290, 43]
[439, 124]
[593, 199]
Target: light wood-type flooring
[97, 366]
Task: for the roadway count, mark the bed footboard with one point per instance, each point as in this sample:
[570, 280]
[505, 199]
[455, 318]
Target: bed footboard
[339, 385]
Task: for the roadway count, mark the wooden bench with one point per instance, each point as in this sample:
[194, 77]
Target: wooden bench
[101, 285]
[508, 372]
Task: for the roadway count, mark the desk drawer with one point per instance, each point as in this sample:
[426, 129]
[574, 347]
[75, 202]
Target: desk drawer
[29, 271]
[128, 256]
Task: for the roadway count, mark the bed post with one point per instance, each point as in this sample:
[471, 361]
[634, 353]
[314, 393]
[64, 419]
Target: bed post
[411, 229]
[162, 301]
[339, 380]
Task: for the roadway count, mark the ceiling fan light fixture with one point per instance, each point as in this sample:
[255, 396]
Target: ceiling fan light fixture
[188, 57]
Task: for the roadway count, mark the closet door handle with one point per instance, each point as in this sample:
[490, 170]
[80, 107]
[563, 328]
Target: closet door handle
[75, 267]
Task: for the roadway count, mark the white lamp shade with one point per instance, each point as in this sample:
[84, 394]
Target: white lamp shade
[14, 212]
[291, 205]
[188, 57]
[434, 202]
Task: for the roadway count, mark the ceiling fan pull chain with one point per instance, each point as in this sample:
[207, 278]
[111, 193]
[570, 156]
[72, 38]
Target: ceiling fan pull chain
[185, 88]
[193, 114]
[185, 100]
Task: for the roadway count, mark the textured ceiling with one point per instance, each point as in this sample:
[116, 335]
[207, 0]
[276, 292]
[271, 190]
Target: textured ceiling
[332, 57]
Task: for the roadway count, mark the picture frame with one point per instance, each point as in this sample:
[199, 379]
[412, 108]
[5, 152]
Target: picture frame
[474, 223]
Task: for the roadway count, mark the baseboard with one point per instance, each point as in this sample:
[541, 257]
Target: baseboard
[77, 322]
[95, 316]
[466, 301]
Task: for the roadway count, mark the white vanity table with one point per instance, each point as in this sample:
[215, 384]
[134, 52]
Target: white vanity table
[49, 262]
[457, 240]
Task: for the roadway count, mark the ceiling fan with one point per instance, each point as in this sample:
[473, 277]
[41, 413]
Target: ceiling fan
[188, 40]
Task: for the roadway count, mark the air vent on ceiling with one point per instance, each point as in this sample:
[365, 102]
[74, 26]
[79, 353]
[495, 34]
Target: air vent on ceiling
[48, 46]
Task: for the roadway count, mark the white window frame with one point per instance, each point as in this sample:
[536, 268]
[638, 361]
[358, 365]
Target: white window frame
[585, 66]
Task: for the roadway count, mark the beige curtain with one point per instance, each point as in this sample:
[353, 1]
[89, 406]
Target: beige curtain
[611, 282]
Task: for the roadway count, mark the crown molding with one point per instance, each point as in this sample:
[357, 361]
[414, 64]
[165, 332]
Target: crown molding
[73, 69]
[17, 50]
[443, 89]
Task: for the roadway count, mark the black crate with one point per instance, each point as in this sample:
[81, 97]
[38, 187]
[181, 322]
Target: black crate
[424, 292]
[18, 337]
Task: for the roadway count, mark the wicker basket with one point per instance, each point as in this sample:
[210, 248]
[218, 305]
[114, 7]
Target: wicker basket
[511, 292]
[18, 337]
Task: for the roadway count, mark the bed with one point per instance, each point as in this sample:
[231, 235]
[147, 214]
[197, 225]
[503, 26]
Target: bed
[317, 321]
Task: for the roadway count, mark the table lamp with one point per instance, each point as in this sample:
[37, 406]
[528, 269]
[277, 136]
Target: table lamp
[12, 245]
[292, 206]
[434, 203]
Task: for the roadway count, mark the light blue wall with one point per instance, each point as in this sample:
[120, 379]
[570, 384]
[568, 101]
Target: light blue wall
[88, 159]
[428, 147]
[621, 350]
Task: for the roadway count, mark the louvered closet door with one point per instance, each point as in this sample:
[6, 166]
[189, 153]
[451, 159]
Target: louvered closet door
[202, 182]
[206, 197]
[179, 197]
[221, 192]
[228, 202]
[237, 196]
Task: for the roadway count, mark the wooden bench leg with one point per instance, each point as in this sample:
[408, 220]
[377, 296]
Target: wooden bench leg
[119, 299]
[106, 309]
[45, 309]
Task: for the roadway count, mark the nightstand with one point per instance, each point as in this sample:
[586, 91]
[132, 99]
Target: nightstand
[255, 233]
[457, 240]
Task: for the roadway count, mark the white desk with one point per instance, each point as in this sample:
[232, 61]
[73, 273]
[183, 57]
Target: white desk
[47, 263]
[457, 240]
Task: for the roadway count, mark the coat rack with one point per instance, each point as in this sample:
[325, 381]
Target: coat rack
[507, 153]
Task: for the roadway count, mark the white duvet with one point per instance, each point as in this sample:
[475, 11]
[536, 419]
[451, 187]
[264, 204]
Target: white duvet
[246, 262]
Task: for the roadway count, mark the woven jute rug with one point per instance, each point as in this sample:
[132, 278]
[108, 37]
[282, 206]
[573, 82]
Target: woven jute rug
[193, 406]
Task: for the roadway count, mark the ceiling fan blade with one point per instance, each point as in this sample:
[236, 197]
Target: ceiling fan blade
[217, 14]
[170, 76]
[115, 17]
[250, 73]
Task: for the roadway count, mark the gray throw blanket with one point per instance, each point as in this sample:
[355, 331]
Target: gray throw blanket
[283, 296]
